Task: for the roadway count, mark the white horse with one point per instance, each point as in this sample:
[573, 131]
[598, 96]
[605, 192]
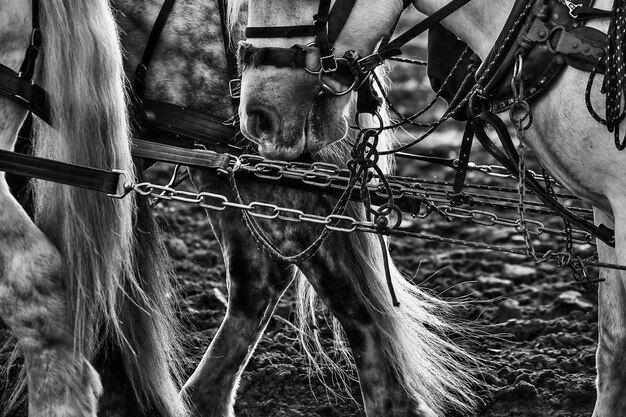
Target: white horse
[578, 151]
[403, 355]
[76, 283]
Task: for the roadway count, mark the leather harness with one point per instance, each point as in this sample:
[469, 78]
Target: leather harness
[552, 38]
[18, 86]
[535, 29]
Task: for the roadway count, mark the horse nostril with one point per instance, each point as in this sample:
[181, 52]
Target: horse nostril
[262, 123]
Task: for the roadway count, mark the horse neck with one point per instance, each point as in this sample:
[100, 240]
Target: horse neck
[189, 66]
[478, 23]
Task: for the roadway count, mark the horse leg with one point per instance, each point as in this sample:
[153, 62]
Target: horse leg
[255, 285]
[60, 381]
[611, 353]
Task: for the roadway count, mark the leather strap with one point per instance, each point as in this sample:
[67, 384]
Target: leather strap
[186, 126]
[587, 12]
[369, 63]
[27, 68]
[294, 57]
[302, 31]
[338, 18]
[229, 50]
[464, 156]
[61, 172]
[153, 39]
[23, 92]
[199, 158]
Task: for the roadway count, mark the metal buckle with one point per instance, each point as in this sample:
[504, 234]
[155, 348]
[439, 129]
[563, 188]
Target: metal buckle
[572, 7]
[326, 60]
[234, 88]
[365, 63]
[124, 186]
[36, 37]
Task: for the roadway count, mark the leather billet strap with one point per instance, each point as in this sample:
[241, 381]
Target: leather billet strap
[229, 50]
[184, 127]
[199, 158]
[142, 68]
[23, 92]
[30, 57]
[18, 87]
[46, 169]
[326, 28]
[392, 48]
[294, 57]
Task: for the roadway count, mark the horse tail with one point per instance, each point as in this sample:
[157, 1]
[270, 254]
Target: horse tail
[110, 291]
[149, 325]
[417, 336]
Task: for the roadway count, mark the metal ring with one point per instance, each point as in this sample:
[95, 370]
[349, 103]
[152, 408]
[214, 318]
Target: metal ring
[517, 68]
[310, 71]
[329, 90]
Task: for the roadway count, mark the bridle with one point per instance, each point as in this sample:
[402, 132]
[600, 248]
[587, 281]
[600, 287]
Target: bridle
[501, 59]
[326, 28]
[19, 86]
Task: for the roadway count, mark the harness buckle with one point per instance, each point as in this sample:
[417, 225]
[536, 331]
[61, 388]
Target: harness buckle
[329, 63]
[572, 7]
[125, 184]
[36, 38]
[370, 62]
[234, 88]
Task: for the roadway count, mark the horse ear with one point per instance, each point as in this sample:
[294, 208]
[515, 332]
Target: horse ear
[440, 65]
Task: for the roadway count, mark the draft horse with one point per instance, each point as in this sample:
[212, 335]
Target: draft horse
[406, 363]
[282, 110]
[84, 281]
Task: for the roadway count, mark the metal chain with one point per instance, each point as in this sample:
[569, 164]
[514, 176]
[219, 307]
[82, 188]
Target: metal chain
[521, 117]
[348, 224]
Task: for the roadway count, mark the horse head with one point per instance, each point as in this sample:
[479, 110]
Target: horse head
[296, 85]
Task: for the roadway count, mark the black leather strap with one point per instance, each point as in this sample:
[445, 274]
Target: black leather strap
[47, 169]
[464, 156]
[27, 68]
[294, 57]
[23, 92]
[198, 158]
[320, 21]
[153, 39]
[338, 17]
[586, 13]
[302, 31]
[393, 47]
[184, 123]
[229, 50]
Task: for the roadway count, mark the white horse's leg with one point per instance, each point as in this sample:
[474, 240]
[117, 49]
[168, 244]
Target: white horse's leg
[60, 383]
[255, 285]
[611, 354]
[32, 303]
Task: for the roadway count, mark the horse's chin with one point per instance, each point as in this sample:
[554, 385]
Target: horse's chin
[324, 127]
